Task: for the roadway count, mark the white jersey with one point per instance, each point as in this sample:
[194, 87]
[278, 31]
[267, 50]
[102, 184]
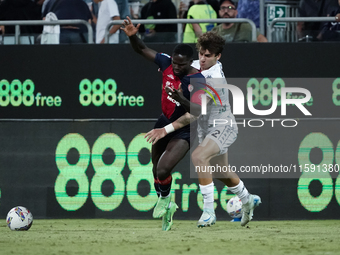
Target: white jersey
[215, 111]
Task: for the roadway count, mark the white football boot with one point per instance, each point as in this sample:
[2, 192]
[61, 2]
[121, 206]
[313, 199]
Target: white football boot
[248, 209]
[208, 218]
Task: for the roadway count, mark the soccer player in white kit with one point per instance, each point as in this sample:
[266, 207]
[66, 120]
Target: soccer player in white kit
[213, 141]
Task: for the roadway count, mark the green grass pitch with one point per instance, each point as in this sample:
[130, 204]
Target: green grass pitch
[110, 236]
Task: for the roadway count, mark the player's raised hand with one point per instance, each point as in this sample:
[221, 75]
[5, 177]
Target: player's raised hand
[129, 28]
[168, 90]
[155, 134]
[174, 93]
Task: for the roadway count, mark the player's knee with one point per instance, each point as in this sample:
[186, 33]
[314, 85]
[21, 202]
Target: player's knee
[163, 173]
[198, 158]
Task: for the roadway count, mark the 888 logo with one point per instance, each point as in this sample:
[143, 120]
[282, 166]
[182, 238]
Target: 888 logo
[99, 93]
[16, 93]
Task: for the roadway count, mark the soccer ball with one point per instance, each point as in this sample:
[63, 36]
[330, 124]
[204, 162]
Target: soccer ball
[234, 207]
[19, 218]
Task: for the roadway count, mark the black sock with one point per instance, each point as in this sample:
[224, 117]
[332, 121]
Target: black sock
[165, 186]
[156, 185]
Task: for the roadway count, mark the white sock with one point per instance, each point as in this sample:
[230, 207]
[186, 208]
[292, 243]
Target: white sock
[241, 191]
[208, 195]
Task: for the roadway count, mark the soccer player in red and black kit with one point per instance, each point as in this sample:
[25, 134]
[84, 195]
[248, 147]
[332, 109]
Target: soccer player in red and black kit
[167, 152]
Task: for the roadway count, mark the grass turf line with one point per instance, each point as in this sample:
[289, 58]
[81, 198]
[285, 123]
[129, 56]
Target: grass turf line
[104, 236]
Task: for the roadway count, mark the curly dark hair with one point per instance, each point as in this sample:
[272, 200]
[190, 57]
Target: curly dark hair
[212, 42]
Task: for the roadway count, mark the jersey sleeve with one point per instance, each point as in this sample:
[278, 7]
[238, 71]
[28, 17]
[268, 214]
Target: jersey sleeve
[196, 64]
[163, 61]
[213, 77]
[197, 88]
[196, 97]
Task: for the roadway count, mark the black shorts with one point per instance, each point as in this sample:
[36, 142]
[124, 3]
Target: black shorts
[187, 133]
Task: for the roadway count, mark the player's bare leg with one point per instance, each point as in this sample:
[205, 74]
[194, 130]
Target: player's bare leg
[174, 152]
[157, 151]
[236, 186]
[201, 159]
[230, 179]
[206, 155]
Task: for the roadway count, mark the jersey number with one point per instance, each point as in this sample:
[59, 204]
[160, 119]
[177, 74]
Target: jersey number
[216, 133]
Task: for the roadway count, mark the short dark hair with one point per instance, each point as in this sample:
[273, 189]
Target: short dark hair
[231, 1]
[211, 41]
[185, 50]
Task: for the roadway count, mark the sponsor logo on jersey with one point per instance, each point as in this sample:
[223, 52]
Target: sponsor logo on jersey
[190, 88]
[173, 100]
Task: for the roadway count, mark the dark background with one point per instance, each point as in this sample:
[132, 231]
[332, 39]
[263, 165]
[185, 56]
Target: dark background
[58, 71]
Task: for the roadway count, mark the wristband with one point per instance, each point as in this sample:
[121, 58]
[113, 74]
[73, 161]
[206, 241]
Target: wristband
[169, 128]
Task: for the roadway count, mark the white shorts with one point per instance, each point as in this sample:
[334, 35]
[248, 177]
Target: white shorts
[222, 135]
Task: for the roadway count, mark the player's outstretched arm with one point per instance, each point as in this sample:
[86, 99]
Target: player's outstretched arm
[136, 43]
[158, 133]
